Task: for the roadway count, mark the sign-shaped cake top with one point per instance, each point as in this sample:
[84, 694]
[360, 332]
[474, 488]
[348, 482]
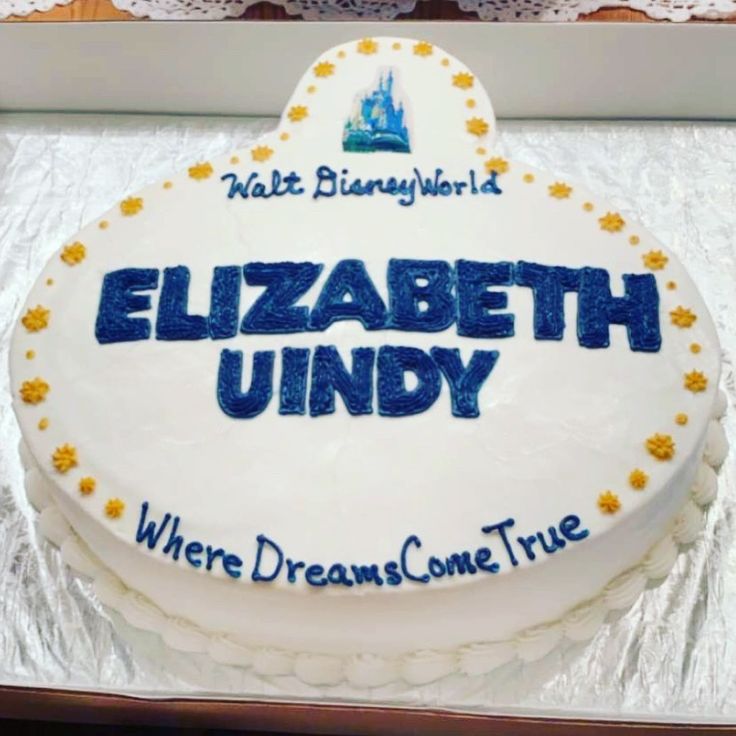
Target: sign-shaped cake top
[365, 369]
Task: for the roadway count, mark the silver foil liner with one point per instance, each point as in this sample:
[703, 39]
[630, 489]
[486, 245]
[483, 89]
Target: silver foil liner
[672, 656]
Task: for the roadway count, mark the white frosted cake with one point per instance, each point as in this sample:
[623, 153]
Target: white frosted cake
[366, 400]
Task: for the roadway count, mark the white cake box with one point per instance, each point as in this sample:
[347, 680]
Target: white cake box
[532, 70]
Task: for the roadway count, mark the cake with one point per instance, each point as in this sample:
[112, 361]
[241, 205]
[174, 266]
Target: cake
[366, 400]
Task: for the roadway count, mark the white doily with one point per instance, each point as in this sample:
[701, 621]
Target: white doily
[493, 10]
[25, 7]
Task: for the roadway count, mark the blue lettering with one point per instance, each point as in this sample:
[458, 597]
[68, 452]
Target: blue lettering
[474, 301]
[411, 541]
[465, 383]
[263, 543]
[119, 299]
[230, 396]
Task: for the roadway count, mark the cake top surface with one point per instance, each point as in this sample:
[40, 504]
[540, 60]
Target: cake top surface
[367, 332]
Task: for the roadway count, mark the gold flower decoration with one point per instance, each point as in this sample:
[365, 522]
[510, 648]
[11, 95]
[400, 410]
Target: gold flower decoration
[423, 48]
[324, 69]
[477, 126]
[261, 153]
[695, 348]
[131, 206]
[114, 508]
[463, 80]
[43, 423]
[612, 222]
[655, 260]
[65, 458]
[696, 381]
[34, 391]
[681, 419]
[638, 479]
[634, 240]
[559, 190]
[499, 165]
[297, 113]
[608, 502]
[201, 171]
[682, 317]
[73, 254]
[367, 46]
[36, 319]
[661, 446]
[87, 485]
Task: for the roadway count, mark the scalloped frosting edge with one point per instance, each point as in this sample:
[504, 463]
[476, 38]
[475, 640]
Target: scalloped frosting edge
[369, 670]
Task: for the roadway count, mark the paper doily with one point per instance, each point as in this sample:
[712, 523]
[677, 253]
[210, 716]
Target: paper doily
[490, 10]
[25, 7]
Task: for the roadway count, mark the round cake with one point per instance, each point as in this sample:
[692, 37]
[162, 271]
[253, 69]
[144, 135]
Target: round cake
[367, 400]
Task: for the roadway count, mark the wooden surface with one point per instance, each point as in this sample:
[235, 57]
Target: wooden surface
[83, 10]
[296, 718]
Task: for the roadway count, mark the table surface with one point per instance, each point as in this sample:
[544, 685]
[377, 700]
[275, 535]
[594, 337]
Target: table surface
[104, 10]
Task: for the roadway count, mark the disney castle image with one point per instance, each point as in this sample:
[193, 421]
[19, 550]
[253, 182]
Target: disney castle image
[376, 122]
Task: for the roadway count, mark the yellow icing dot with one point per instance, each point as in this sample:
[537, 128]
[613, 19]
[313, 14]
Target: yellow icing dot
[311, 89]
[43, 423]
[168, 184]
[65, 458]
[608, 502]
[660, 446]
[634, 240]
[655, 260]
[445, 62]
[103, 224]
[481, 151]
[499, 165]
[340, 54]
[559, 190]
[366, 46]
[396, 46]
[114, 508]
[528, 178]
[476, 126]
[261, 153]
[131, 206]
[612, 222]
[463, 80]
[34, 391]
[638, 479]
[588, 206]
[682, 317]
[696, 381]
[671, 285]
[470, 103]
[30, 354]
[284, 136]
[201, 171]
[87, 485]
[234, 159]
[36, 319]
[695, 348]
[49, 282]
[324, 69]
[423, 48]
[297, 113]
[681, 419]
[73, 254]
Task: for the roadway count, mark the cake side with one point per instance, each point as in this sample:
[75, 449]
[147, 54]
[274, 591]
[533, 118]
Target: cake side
[367, 669]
